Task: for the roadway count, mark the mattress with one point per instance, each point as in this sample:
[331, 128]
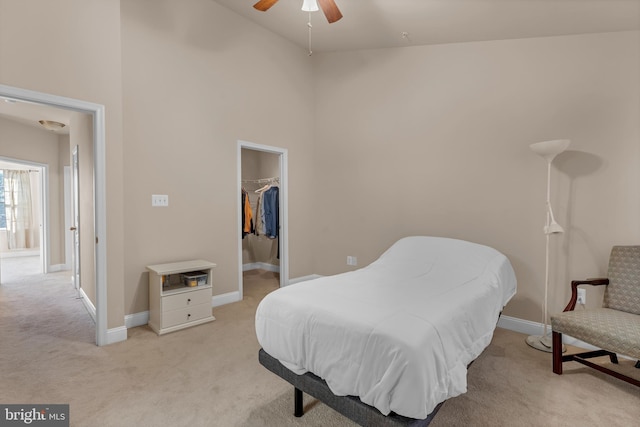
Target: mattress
[399, 333]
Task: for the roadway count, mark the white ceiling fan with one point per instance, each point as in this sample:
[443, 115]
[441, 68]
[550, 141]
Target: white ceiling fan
[329, 7]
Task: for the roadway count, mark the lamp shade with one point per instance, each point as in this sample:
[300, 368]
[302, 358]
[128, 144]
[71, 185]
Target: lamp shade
[309, 5]
[550, 149]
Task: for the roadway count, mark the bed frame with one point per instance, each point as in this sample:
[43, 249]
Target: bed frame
[349, 406]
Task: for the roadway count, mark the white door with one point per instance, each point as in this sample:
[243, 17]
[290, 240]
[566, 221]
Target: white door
[75, 218]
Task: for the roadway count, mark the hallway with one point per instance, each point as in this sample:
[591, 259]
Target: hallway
[35, 307]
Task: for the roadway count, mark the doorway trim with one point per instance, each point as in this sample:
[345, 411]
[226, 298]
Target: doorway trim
[100, 211]
[283, 235]
[67, 217]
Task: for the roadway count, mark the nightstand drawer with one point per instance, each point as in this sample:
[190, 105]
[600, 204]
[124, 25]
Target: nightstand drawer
[186, 299]
[186, 315]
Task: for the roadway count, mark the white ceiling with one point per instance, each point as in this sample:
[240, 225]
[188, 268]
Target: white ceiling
[370, 24]
[29, 114]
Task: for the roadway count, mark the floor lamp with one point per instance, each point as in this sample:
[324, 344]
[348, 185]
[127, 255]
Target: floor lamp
[548, 150]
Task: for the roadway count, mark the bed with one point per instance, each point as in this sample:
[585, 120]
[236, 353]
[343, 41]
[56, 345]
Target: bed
[391, 340]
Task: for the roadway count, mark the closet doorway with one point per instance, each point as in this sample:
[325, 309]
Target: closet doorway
[265, 252]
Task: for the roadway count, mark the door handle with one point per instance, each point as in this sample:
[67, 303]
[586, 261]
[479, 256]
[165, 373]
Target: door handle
[72, 229]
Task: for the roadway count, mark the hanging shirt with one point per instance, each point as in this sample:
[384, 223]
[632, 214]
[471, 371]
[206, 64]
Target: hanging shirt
[247, 214]
[259, 226]
[271, 212]
[248, 227]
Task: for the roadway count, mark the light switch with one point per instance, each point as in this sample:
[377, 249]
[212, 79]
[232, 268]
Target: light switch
[161, 200]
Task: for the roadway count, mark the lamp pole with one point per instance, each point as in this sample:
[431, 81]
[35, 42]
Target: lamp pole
[549, 150]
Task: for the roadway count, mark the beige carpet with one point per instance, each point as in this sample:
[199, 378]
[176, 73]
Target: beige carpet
[209, 375]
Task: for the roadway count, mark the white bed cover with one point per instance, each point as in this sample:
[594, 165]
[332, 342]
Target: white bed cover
[398, 333]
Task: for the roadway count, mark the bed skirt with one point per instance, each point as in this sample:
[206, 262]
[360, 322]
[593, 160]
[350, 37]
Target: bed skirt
[349, 406]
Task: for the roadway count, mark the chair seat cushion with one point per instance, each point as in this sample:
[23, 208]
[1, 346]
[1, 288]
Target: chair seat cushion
[608, 329]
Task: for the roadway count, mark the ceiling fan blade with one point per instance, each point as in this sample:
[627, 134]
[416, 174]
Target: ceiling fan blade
[264, 5]
[330, 10]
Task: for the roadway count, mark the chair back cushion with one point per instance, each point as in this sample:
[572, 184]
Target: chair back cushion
[623, 291]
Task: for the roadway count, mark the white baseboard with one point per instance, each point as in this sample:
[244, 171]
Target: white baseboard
[54, 268]
[506, 322]
[13, 253]
[261, 266]
[115, 335]
[88, 304]
[223, 299]
[136, 319]
[519, 325]
[522, 326]
[304, 278]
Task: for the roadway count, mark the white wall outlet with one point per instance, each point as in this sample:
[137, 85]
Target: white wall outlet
[582, 296]
[161, 200]
[351, 260]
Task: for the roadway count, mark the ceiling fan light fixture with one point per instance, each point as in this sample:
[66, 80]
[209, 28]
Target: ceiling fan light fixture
[310, 6]
[51, 125]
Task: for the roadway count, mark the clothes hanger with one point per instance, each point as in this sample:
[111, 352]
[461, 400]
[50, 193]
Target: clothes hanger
[266, 187]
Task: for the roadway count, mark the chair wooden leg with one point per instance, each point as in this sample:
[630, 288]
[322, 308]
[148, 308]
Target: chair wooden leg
[556, 343]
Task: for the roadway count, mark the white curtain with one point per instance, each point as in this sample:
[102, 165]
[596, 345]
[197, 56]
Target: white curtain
[17, 201]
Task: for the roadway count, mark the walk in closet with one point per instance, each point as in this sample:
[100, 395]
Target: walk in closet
[260, 216]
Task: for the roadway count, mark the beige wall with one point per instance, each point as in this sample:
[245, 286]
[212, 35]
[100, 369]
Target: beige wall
[22, 142]
[198, 78]
[435, 140]
[82, 60]
[382, 143]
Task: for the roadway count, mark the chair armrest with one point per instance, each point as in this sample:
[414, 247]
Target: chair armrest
[574, 290]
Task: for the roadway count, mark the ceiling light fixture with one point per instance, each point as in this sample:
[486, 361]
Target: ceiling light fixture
[329, 8]
[51, 125]
[310, 6]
